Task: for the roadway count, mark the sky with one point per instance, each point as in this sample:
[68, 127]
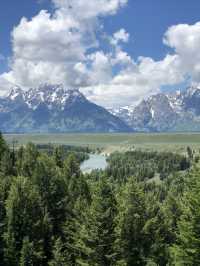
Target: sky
[117, 52]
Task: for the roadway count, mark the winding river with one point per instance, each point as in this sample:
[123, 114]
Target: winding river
[96, 161]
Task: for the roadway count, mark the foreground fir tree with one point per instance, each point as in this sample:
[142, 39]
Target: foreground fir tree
[27, 159]
[186, 251]
[25, 224]
[52, 189]
[76, 200]
[27, 253]
[3, 146]
[98, 234]
[132, 242]
[60, 258]
[5, 183]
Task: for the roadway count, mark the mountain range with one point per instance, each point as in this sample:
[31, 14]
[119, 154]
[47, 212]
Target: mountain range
[173, 112]
[54, 109]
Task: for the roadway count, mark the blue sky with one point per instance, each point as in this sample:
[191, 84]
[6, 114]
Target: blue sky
[146, 22]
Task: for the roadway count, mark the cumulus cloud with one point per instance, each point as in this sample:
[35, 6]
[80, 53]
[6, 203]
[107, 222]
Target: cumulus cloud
[54, 47]
[84, 10]
[147, 76]
[136, 82]
[185, 40]
[65, 46]
[120, 36]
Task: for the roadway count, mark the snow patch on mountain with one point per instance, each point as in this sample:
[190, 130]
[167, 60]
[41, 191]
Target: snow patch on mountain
[54, 96]
[164, 112]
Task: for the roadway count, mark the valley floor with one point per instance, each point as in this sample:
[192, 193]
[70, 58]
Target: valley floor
[109, 143]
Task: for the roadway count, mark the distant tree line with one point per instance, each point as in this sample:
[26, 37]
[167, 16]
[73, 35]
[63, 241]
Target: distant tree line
[145, 165]
[81, 153]
[52, 214]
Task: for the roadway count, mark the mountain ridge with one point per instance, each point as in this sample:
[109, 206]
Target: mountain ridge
[164, 112]
[54, 109]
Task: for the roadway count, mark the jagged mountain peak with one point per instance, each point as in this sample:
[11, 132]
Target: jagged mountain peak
[15, 92]
[54, 96]
[192, 90]
[54, 108]
[174, 111]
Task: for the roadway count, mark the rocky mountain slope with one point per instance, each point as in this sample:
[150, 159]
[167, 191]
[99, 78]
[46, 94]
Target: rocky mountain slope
[179, 111]
[54, 109]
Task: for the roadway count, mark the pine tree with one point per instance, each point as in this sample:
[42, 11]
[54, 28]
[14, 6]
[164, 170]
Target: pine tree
[98, 234]
[6, 164]
[132, 243]
[27, 253]
[75, 181]
[3, 146]
[59, 255]
[5, 183]
[25, 218]
[58, 156]
[28, 160]
[52, 189]
[186, 251]
[71, 166]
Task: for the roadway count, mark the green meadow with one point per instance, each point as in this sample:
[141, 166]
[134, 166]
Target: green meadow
[176, 142]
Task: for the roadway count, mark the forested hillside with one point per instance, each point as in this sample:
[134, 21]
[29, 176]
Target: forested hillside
[52, 214]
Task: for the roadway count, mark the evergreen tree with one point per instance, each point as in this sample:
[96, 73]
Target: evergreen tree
[58, 156]
[52, 189]
[59, 255]
[77, 185]
[186, 251]
[3, 146]
[27, 161]
[98, 235]
[71, 166]
[7, 164]
[133, 244]
[25, 218]
[190, 153]
[27, 253]
[5, 183]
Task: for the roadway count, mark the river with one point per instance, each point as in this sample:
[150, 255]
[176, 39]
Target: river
[96, 161]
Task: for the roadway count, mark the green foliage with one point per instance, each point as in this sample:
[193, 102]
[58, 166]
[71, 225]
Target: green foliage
[186, 250]
[27, 253]
[98, 234]
[142, 210]
[3, 146]
[133, 242]
[145, 165]
[25, 218]
[27, 160]
[59, 255]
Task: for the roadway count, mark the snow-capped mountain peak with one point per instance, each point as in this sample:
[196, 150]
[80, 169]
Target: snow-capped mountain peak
[179, 110]
[54, 108]
[16, 92]
[54, 96]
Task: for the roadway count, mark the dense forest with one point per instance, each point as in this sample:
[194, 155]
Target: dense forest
[144, 209]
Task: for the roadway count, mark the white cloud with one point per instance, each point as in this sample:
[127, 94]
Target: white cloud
[47, 48]
[84, 10]
[120, 36]
[53, 47]
[185, 40]
[147, 76]
[56, 48]
[136, 82]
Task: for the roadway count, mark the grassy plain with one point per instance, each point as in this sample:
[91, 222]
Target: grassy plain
[176, 142]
